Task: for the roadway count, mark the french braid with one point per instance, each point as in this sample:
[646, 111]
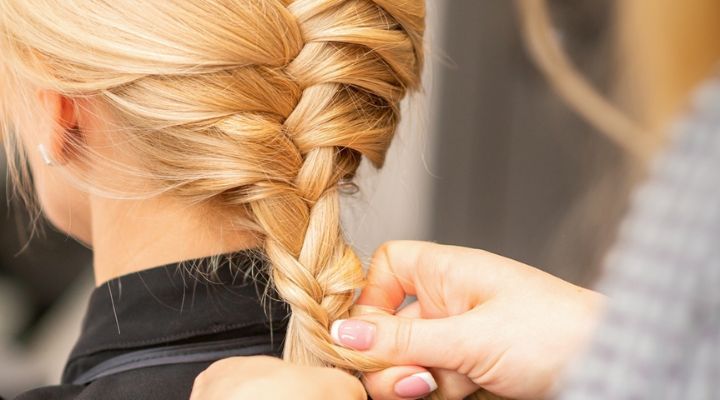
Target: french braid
[355, 65]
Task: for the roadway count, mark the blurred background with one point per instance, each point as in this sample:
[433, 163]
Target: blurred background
[489, 157]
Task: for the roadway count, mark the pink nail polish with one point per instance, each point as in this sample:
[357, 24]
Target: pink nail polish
[354, 334]
[416, 385]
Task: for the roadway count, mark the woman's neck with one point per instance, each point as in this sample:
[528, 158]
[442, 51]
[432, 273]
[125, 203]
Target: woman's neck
[133, 235]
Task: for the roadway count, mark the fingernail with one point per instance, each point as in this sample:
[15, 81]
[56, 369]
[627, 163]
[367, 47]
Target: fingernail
[416, 385]
[354, 334]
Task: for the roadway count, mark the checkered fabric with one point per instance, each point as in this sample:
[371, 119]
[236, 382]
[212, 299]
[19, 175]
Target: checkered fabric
[661, 335]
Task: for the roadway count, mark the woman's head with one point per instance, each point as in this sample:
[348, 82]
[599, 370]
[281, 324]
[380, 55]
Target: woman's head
[254, 109]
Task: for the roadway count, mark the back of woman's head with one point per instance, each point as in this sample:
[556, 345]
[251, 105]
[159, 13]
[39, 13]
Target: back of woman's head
[259, 109]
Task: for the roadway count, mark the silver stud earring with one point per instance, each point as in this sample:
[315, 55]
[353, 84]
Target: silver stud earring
[45, 155]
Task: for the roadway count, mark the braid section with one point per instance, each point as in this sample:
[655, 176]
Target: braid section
[356, 64]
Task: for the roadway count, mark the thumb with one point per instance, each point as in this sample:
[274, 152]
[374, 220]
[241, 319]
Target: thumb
[408, 382]
[403, 341]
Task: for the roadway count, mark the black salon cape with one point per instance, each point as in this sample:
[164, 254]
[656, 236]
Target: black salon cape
[165, 307]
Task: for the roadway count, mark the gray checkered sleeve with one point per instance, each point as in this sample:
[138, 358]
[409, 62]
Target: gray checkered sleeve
[660, 338]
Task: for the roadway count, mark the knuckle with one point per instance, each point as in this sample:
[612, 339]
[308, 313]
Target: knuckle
[342, 377]
[200, 380]
[402, 342]
[390, 244]
[357, 389]
[382, 253]
[216, 366]
[375, 385]
[264, 360]
[440, 257]
[387, 249]
[348, 383]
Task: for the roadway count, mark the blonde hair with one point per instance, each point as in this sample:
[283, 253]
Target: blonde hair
[261, 108]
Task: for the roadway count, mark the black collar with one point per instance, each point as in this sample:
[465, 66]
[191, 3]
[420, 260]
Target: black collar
[177, 304]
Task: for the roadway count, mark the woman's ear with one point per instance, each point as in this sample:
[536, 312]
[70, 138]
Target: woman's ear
[65, 133]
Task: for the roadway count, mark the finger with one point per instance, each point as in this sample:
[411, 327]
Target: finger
[389, 278]
[411, 310]
[405, 341]
[394, 271]
[399, 383]
[408, 382]
[402, 268]
[345, 386]
[453, 385]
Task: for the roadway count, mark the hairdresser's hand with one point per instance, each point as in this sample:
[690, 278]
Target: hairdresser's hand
[268, 378]
[481, 320]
